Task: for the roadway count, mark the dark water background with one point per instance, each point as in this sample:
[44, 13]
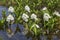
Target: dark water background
[18, 35]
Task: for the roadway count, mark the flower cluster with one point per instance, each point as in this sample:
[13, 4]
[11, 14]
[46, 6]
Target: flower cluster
[27, 8]
[46, 16]
[37, 18]
[34, 16]
[56, 13]
[10, 18]
[11, 9]
[25, 17]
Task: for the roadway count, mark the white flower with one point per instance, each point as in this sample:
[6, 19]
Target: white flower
[33, 16]
[44, 8]
[26, 20]
[27, 8]
[35, 25]
[46, 16]
[25, 17]
[10, 18]
[56, 13]
[11, 9]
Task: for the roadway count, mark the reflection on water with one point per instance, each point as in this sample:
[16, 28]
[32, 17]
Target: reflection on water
[55, 37]
[42, 37]
[1, 9]
[18, 35]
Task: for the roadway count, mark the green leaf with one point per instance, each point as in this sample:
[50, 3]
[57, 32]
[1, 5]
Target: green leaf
[35, 30]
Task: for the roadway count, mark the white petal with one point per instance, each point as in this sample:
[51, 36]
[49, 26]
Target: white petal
[11, 9]
[37, 26]
[25, 17]
[46, 16]
[56, 13]
[27, 8]
[10, 18]
[33, 16]
[26, 20]
[44, 8]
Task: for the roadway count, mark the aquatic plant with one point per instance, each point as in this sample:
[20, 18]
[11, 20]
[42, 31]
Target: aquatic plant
[34, 13]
